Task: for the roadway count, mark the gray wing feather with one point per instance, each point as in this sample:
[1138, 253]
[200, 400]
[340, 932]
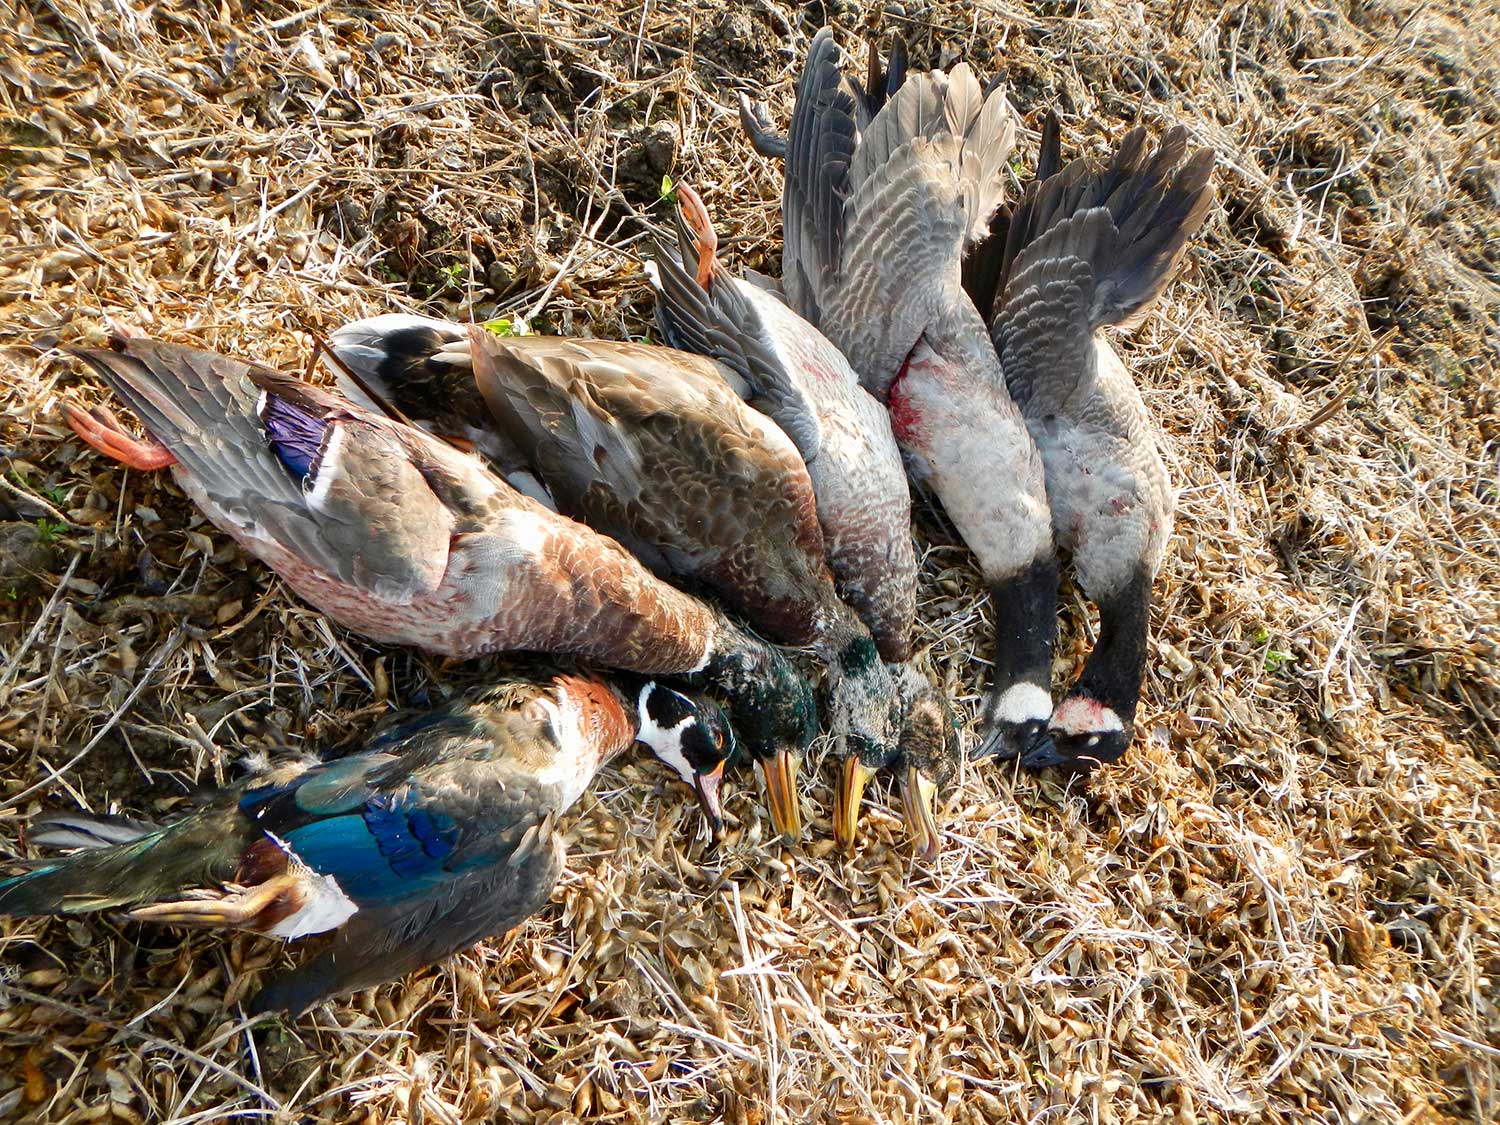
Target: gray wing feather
[821, 142]
[721, 324]
[1090, 247]
[923, 184]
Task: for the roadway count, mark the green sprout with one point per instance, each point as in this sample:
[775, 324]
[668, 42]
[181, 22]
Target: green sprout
[668, 189]
[452, 276]
[504, 327]
[49, 531]
[1275, 658]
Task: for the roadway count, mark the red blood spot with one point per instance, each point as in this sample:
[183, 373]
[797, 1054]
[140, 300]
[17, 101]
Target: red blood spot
[906, 419]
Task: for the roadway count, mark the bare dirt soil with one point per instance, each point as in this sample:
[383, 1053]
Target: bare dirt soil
[1281, 907]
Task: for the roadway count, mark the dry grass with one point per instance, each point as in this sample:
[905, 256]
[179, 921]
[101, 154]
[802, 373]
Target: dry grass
[1282, 906]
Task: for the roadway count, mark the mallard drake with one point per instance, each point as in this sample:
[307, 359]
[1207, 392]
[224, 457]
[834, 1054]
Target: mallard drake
[793, 374]
[653, 446]
[403, 538]
[650, 445]
[1090, 246]
[925, 765]
[441, 832]
[882, 196]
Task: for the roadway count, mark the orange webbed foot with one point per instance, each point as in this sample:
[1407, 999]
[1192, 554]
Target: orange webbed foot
[695, 214]
[102, 430]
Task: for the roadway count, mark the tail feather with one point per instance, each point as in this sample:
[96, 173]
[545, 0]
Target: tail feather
[76, 831]
[203, 407]
[1087, 246]
[685, 312]
[821, 141]
[394, 352]
[921, 186]
[421, 371]
[1129, 222]
[970, 129]
[137, 868]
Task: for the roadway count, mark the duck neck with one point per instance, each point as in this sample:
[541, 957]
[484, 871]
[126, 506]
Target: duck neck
[1114, 670]
[843, 639]
[769, 699]
[594, 722]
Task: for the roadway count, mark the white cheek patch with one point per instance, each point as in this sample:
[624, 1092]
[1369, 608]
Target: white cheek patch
[1080, 716]
[1022, 703]
[665, 742]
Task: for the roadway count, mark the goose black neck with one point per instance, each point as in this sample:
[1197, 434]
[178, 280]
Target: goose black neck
[1025, 612]
[1116, 667]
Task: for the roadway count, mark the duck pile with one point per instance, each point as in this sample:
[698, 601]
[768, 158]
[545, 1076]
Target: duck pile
[672, 516]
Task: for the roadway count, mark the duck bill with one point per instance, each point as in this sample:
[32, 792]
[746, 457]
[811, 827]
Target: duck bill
[853, 778]
[779, 773]
[707, 785]
[918, 797]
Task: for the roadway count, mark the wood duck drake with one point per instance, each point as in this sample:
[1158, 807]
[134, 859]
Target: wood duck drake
[652, 446]
[443, 831]
[885, 188]
[1090, 246]
[399, 536]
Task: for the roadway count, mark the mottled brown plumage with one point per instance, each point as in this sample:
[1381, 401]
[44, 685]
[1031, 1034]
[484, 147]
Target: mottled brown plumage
[651, 446]
[792, 373]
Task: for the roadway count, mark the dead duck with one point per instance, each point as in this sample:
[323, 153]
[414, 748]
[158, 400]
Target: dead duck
[399, 536]
[791, 373]
[795, 375]
[925, 766]
[653, 446]
[1090, 246]
[886, 186]
[441, 832]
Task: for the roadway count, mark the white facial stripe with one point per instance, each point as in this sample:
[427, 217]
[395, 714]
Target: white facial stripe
[665, 742]
[1022, 703]
[1079, 716]
[328, 467]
